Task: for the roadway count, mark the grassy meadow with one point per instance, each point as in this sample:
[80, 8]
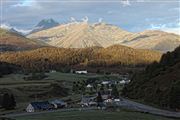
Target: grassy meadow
[93, 115]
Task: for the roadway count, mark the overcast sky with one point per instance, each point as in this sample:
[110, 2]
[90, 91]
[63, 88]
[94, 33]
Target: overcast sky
[131, 15]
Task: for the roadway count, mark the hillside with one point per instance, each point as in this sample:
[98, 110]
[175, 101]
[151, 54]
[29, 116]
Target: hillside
[57, 58]
[159, 84]
[12, 41]
[83, 34]
[154, 40]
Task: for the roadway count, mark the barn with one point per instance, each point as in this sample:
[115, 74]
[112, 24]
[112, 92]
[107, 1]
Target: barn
[38, 106]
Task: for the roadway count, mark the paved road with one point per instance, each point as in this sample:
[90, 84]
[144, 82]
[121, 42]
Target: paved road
[125, 103]
[145, 108]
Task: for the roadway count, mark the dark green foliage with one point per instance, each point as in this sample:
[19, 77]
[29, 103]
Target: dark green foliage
[8, 101]
[36, 76]
[13, 102]
[6, 68]
[79, 87]
[175, 96]
[99, 98]
[115, 93]
[159, 84]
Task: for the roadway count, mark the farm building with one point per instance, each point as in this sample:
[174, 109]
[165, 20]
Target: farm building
[37, 106]
[58, 103]
[88, 101]
[89, 86]
[81, 72]
[124, 81]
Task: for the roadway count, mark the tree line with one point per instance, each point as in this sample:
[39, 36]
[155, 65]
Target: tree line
[160, 83]
[57, 58]
[8, 101]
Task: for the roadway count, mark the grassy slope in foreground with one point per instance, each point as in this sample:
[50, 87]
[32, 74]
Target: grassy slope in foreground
[93, 115]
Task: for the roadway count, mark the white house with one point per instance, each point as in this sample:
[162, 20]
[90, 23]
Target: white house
[30, 108]
[53, 71]
[89, 86]
[81, 72]
[124, 81]
[106, 82]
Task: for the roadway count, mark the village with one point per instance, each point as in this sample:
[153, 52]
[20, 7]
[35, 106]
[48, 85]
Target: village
[94, 93]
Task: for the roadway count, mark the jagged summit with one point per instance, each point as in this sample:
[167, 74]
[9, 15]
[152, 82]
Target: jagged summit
[45, 24]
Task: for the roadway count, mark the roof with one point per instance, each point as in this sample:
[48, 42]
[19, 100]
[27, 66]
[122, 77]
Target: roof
[40, 105]
[89, 86]
[57, 101]
[87, 99]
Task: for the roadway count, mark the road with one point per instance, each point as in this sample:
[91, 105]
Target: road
[125, 103]
[128, 104]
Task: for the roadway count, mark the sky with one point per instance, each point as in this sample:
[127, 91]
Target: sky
[130, 15]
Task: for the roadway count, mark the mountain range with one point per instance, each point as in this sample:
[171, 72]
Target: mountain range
[84, 34]
[78, 34]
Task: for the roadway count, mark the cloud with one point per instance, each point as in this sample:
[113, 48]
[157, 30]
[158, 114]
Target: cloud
[166, 28]
[72, 19]
[100, 20]
[27, 3]
[140, 1]
[125, 3]
[175, 9]
[85, 19]
[172, 30]
[7, 26]
[109, 12]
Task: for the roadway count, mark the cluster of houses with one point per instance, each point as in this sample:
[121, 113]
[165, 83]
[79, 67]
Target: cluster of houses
[73, 71]
[46, 105]
[121, 82]
[90, 101]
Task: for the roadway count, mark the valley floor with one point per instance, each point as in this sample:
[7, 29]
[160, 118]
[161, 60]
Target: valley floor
[125, 104]
[93, 115]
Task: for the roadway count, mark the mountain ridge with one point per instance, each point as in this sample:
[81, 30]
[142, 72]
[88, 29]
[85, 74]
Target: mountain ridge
[84, 34]
[11, 41]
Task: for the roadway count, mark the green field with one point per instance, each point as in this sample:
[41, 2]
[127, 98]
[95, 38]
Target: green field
[93, 115]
